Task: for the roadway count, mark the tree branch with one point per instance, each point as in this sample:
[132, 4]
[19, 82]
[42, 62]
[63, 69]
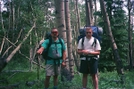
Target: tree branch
[18, 47]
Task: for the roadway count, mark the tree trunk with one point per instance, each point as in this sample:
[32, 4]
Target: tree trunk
[119, 65]
[88, 13]
[31, 58]
[130, 34]
[95, 18]
[76, 28]
[91, 12]
[60, 20]
[77, 15]
[69, 38]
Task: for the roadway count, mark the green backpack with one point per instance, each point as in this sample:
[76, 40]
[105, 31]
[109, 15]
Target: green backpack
[45, 51]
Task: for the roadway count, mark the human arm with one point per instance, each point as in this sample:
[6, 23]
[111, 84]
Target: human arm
[97, 52]
[80, 51]
[63, 54]
[80, 47]
[86, 52]
[64, 58]
[43, 46]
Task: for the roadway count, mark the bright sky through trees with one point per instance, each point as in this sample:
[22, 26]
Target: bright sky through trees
[2, 8]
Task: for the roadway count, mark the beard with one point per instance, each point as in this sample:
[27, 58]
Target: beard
[55, 36]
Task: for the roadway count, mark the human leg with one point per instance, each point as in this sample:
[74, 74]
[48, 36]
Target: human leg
[95, 80]
[49, 73]
[84, 80]
[84, 69]
[47, 79]
[55, 77]
[94, 72]
[55, 81]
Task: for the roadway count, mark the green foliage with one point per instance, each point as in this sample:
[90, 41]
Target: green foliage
[25, 13]
[18, 73]
[118, 24]
[107, 79]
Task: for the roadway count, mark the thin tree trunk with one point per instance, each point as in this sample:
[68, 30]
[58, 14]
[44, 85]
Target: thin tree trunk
[119, 65]
[69, 38]
[1, 19]
[31, 58]
[77, 15]
[130, 34]
[95, 18]
[91, 12]
[75, 35]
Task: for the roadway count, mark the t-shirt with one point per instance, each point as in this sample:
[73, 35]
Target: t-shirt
[54, 50]
[87, 45]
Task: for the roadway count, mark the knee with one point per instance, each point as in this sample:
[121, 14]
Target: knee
[85, 75]
[94, 76]
[55, 76]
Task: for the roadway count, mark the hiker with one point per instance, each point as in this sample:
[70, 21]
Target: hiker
[56, 57]
[89, 53]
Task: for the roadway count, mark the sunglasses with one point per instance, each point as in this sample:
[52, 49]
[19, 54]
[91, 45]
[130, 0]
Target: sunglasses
[55, 32]
[88, 32]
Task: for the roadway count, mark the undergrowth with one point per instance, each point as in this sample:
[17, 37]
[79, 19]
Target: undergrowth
[22, 76]
[107, 80]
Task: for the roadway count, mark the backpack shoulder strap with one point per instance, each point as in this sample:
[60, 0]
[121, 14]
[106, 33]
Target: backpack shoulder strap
[94, 43]
[49, 44]
[60, 40]
[83, 41]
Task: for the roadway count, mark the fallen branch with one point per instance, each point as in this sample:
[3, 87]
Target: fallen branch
[11, 43]
[5, 61]
[18, 47]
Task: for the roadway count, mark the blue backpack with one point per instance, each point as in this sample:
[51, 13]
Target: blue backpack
[97, 32]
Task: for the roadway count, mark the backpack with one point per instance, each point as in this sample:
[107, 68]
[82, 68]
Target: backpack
[97, 32]
[45, 51]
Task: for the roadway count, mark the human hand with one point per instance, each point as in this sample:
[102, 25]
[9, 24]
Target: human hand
[40, 50]
[63, 64]
[85, 52]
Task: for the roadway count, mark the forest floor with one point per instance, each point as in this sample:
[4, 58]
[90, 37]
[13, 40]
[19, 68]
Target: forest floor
[20, 75]
[20, 79]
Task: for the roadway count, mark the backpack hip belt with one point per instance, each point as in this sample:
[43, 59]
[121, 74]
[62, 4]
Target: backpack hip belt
[50, 58]
[88, 58]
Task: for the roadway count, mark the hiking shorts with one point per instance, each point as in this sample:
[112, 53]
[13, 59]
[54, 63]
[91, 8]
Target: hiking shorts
[52, 70]
[89, 66]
